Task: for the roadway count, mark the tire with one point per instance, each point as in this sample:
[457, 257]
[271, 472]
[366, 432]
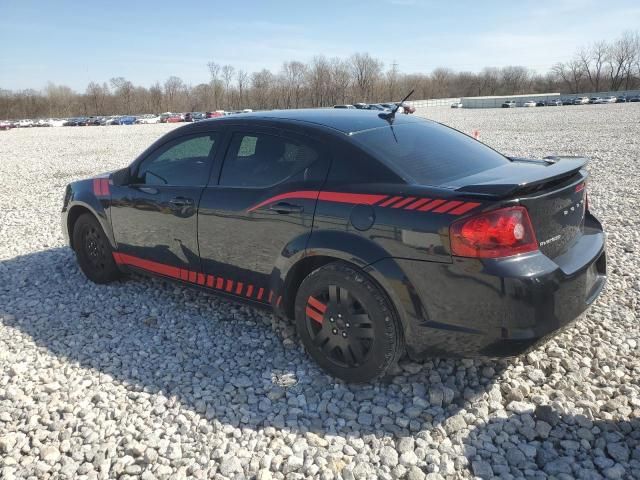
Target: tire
[347, 324]
[93, 250]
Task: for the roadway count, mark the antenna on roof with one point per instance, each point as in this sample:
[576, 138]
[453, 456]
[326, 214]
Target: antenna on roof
[389, 116]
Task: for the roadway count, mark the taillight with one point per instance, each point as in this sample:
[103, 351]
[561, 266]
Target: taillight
[499, 233]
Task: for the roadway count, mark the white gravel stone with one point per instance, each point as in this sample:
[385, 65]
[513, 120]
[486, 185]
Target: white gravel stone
[146, 379]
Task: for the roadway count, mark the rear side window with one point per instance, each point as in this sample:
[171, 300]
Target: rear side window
[260, 160]
[428, 153]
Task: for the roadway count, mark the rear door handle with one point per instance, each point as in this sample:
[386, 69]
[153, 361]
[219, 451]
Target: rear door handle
[284, 207]
[181, 202]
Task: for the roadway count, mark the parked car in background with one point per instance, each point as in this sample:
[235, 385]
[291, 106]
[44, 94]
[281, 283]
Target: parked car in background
[568, 101]
[198, 116]
[5, 125]
[634, 99]
[361, 106]
[148, 119]
[376, 106]
[529, 103]
[93, 121]
[165, 116]
[609, 99]
[554, 103]
[187, 117]
[127, 120]
[593, 100]
[621, 99]
[76, 122]
[55, 122]
[344, 106]
[581, 100]
[509, 104]
[25, 123]
[406, 108]
[175, 118]
[217, 113]
[456, 105]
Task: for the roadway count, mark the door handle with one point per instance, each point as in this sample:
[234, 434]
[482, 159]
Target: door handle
[181, 202]
[284, 207]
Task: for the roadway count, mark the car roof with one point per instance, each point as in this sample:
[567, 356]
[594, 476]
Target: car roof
[344, 120]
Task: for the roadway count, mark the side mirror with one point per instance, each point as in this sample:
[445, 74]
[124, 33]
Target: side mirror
[122, 177]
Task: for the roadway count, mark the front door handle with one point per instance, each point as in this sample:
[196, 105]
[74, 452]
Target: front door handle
[284, 207]
[181, 202]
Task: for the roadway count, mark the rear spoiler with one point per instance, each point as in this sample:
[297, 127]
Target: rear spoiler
[521, 176]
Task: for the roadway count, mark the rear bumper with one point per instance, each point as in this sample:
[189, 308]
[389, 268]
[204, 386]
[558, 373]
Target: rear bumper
[499, 307]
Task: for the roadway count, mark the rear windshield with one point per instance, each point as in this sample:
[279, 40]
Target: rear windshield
[428, 153]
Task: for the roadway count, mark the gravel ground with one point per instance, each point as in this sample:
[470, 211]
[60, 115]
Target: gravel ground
[144, 379]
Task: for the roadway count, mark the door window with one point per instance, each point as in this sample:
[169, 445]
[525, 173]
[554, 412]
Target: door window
[184, 162]
[259, 160]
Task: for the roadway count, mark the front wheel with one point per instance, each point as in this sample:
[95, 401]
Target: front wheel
[347, 324]
[93, 250]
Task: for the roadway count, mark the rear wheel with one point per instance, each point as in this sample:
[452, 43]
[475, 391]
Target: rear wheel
[347, 324]
[93, 250]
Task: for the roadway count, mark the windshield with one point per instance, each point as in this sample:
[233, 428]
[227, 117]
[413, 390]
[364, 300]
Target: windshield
[428, 153]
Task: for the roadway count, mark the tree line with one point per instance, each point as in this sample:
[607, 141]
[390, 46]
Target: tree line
[326, 81]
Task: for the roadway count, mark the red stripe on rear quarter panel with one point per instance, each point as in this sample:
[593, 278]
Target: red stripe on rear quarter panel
[390, 201]
[403, 202]
[417, 203]
[431, 205]
[355, 198]
[317, 304]
[464, 208]
[312, 314]
[447, 206]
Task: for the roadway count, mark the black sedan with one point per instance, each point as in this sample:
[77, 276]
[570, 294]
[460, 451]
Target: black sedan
[377, 235]
[76, 122]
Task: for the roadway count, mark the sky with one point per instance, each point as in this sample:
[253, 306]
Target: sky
[75, 42]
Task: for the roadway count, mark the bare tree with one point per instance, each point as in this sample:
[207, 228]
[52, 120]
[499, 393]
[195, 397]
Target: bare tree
[172, 88]
[227, 77]
[242, 78]
[593, 61]
[366, 71]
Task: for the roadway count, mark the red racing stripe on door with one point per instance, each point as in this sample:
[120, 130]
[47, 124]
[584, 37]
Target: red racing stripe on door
[151, 266]
[354, 198]
[305, 194]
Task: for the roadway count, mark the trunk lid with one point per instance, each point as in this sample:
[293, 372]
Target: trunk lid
[552, 190]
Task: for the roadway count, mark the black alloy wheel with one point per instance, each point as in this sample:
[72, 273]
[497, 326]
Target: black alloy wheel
[93, 250]
[347, 324]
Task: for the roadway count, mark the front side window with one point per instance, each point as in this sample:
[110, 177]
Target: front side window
[260, 160]
[184, 162]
